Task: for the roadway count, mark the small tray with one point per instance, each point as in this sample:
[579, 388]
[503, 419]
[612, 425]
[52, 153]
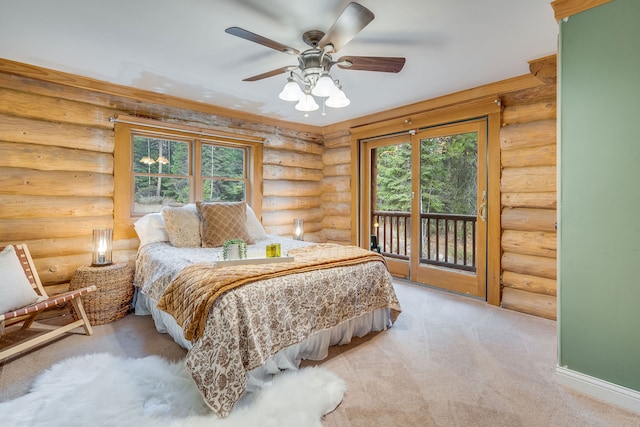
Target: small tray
[230, 262]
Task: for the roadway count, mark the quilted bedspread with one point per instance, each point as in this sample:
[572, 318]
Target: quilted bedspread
[243, 327]
[192, 293]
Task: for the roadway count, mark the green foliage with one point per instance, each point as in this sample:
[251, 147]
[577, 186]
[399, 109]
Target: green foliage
[162, 169]
[223, 171]
[393, 183]
[448, 175]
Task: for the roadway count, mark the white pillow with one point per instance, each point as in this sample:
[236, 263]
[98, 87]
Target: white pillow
[150, 229]
[15, 289]
[254, 227]
[183, 226]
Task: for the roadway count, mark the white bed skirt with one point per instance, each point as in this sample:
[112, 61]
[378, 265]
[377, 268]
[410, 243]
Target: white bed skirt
[315, 347]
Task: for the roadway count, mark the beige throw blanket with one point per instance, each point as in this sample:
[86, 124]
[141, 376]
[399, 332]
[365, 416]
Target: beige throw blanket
[192, 293]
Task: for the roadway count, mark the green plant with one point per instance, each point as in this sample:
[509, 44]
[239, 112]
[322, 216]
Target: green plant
[242, 248]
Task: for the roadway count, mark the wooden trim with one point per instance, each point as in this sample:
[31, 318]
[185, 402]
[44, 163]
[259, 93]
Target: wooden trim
[449, 114]
[190, 131]
[566, 8]
[357, 208]
[68, 79]
[525, 81]
[122, 219]
[494, 263]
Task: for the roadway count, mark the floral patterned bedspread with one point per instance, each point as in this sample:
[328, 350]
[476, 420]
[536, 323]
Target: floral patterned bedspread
[249, 324]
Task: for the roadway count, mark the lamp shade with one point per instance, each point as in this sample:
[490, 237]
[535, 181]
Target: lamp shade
[324, 87]
[291, 92]
[102, 245]
[307, 103]
[338, 100]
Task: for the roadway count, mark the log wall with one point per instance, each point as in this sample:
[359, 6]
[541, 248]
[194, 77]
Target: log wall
[292, 177]
[337, 188]
[56, 171]
[528, 197]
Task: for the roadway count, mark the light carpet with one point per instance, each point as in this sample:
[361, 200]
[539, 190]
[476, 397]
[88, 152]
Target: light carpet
[105, 390]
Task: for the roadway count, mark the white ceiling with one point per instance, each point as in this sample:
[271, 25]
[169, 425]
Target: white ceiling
[180, 48]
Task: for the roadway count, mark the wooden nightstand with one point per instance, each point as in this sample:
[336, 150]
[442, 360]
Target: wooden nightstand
[112, 300]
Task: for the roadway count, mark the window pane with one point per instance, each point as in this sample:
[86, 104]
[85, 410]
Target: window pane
[449, 174]
[152, 192]
[222, 162]
[223, 191]
[156, 155]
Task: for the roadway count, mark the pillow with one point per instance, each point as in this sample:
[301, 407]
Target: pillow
[221, 221]
[183, 226]
[15, 289]
[150, 229]
[254, 227]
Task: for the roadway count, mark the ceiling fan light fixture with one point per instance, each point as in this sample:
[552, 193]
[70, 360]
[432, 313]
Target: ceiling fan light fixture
[338, 99]
[307, 103]
[291, 91]
[314, 63]
[324, 86]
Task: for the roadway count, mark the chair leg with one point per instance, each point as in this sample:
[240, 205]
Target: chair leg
[27, 323]
[78, 307]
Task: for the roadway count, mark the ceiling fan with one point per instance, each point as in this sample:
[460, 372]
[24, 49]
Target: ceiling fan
[314, 63]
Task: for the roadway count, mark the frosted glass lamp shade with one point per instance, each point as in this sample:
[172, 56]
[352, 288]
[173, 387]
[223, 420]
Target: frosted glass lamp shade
[291, 92]
[102, 246]
[307, 103]
[338, 100]
[324, 87]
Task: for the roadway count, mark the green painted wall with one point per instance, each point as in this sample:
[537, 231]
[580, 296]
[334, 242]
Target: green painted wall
[599, 228]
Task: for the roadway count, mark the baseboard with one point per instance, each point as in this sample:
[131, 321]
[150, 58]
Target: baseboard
[600, 389]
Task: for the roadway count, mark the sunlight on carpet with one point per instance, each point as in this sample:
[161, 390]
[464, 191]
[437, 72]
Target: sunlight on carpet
[105, 390]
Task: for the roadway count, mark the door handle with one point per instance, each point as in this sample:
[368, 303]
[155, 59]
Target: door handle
[482, 210]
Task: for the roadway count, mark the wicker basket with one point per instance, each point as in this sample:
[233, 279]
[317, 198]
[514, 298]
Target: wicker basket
[112, 300]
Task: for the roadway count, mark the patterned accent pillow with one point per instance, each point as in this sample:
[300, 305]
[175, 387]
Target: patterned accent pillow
[183, 226]
[221, 221]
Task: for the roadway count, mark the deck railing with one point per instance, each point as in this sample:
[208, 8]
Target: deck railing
[447, 240]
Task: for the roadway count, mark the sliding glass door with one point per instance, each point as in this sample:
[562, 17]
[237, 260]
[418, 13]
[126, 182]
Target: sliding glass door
[426, 204]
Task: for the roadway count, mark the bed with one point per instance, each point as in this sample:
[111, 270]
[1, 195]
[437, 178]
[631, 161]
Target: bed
[271, 321]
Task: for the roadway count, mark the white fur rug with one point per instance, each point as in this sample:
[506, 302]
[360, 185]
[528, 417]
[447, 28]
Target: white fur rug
[103, 390]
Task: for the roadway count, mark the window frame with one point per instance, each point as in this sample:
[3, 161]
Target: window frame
[123, 193]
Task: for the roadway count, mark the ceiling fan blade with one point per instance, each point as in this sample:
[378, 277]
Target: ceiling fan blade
[352, 20]
[252, 37]
[270, 73]
[385, 64]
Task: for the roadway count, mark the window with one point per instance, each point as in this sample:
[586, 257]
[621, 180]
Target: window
[156, 166]
[161, 172]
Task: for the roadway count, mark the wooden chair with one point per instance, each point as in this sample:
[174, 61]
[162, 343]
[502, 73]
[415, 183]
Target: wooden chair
[28, 314]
